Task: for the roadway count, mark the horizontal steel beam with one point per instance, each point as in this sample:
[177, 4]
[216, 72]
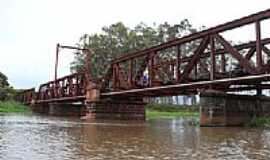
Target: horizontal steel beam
[73, 99]
[192, 84]
[218, 52]
[60, 79]
[214, 30]
[247, 88]
[72, 47]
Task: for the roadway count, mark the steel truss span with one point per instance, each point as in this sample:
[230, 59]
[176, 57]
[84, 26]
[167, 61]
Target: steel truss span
[166, 69]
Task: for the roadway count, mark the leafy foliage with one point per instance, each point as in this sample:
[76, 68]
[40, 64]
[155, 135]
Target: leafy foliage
[3, 80]
[118, 39]
[260, 122]
[6, 92]
[172, 108]
[171, 111]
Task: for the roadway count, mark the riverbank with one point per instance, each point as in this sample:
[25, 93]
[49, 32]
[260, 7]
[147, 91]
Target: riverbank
[13, 107]
[262, 122]
[154, 111]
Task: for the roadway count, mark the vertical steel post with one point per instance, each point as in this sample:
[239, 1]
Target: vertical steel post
[56, 68]
[223, 63]
[130, 74]
[172, 70]
[213, 58]
[92, 87]
[113, 76]
[151, 68]
[56, 61]
[196, 70]
[87, 67]
[178, 63]
[87, 70]
[258, 45]
[116, 76]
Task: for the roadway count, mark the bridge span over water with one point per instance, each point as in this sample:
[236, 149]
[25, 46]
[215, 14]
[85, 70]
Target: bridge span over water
[208, 67]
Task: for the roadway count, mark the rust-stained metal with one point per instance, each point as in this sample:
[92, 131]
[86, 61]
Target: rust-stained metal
[259, 59]
[242, 61]
[195, 58]
[214, 30]
[56, 61]
[26, 96]
[178, 63]
[213, 58]
[68, 86]
[148, 73]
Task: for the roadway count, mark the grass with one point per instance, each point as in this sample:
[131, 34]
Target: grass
[13, 107]
[154, 111]
[263, 122]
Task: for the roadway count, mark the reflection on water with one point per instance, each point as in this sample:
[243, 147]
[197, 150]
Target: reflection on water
[37, 137]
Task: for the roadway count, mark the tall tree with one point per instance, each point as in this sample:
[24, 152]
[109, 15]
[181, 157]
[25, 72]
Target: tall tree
[4, 87]
[3, 80]
[117, 39]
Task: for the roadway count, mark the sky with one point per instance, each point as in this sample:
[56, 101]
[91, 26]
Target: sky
[30, 29]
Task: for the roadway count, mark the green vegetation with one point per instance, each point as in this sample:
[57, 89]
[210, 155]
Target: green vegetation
[13, 107]
[263, 122]
[7, 94]
[118, 39]
[6, 91]
[171, 111]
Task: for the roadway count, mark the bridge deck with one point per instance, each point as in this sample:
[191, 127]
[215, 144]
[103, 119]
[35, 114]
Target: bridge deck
[208, 67]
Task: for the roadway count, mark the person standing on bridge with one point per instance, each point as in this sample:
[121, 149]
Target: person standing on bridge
[145, 80]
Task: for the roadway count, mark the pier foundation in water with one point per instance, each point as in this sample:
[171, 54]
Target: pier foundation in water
[221, 109]
[121, 110]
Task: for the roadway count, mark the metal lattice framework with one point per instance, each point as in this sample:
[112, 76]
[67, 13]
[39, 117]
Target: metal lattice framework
[166, 69]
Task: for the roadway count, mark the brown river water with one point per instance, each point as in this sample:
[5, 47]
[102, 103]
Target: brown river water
[26, 137]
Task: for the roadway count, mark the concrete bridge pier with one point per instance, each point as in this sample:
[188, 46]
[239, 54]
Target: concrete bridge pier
[117, 109]
[221, 109]
[40, 108]
[120, 108]
[60, 109]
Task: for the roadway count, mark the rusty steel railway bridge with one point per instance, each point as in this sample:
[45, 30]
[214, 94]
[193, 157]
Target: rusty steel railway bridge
[207, 67]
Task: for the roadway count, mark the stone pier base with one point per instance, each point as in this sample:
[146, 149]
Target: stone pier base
[106, 109]
[221, 109]
[120, 110]
[60, 109]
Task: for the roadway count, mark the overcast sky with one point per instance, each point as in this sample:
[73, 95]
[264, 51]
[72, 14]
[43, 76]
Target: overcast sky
[30, 29]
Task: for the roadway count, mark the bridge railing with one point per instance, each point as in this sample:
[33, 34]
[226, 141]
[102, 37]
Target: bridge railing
[26, 96]
[167, 64]
[207, 59]
[68, 86]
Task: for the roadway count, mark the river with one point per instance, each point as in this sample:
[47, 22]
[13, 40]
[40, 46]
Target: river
[26, 137]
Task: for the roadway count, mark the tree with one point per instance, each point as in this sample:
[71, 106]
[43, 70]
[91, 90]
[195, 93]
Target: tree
[117, 39]
[3, 80]
[4, 86]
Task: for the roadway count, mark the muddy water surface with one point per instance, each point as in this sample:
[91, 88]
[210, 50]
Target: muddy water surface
[25, 137]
